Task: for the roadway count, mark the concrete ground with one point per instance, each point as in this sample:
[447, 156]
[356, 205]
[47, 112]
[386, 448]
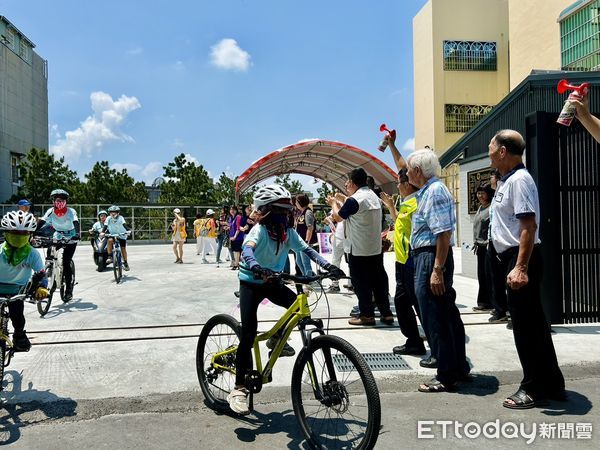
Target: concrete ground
[122, 357]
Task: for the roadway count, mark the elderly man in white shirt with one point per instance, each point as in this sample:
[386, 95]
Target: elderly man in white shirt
[515, 236]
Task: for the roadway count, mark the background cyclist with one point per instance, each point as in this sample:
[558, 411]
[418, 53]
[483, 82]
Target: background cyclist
[115, 224]
[264, 252]
[98, 225]
[65, 222]
[18, 261]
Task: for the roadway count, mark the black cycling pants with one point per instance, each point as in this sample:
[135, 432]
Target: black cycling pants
[250, 297]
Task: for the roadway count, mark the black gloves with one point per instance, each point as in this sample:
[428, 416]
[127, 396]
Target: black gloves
[334, 272]
[261, 272]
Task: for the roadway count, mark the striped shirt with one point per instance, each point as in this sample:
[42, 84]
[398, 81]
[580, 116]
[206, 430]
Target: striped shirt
[434, 214]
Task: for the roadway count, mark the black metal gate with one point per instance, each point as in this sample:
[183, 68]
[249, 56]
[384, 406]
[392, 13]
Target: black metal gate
[565, 163]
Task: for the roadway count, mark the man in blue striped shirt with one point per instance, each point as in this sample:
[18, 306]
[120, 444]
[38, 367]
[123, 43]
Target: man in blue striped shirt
[431, 241]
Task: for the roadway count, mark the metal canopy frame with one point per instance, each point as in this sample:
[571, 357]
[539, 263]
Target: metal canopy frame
[328, 161]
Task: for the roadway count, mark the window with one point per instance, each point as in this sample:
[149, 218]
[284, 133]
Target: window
[23, 49]
[461, 118]
[9, 39]
[470, 55]
[15, 162]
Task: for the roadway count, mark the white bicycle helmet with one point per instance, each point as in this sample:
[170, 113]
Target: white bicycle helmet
[59, 193]
[273, 194]
[19, 221]
[114, 208]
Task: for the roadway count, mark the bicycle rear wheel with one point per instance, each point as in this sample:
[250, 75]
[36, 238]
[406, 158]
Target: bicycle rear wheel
[220, 333]
[43, 305]
[3, 349]
[117, 267]
[346, 412]
[63, 286]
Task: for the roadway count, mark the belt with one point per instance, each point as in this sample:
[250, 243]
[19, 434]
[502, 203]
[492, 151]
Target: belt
[427, 248]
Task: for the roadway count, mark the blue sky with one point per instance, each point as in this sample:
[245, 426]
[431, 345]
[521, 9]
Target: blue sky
[227, 81]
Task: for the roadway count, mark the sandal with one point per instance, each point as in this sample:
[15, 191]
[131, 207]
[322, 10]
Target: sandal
[434, 386]
[521, 400]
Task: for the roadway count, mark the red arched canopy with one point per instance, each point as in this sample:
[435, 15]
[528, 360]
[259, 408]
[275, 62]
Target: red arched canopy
[326, 160]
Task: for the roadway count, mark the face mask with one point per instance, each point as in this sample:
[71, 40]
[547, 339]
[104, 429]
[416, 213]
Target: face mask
[60, 206]
[16, 240]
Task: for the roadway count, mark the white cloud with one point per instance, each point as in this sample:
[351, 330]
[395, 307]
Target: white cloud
[137, 50]
[99, 128]
[54, 132]
[145, 173]
[228, 55]
[179, 66]
[190, 159]
[178, 143]
[409, 145]
[307, 140]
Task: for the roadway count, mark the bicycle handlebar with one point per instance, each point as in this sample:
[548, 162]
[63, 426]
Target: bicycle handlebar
[303, 279]
[51, 242]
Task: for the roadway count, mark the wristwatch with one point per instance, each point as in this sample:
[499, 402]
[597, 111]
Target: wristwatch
[440, 268]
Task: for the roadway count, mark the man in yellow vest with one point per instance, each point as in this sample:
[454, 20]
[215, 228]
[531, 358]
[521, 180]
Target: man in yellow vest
[404, 298]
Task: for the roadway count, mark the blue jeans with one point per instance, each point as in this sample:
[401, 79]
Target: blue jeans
[220, 241]
[441, 318]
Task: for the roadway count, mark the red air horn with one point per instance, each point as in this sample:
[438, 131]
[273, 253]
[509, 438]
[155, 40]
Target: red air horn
[568, 112]
[384, 143]
[563, 86]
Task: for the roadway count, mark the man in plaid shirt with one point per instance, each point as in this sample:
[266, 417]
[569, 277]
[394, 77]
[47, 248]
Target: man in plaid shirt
[431, 241]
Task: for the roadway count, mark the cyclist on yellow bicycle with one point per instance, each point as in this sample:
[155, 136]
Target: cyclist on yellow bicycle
[264, 252]
[18, 261]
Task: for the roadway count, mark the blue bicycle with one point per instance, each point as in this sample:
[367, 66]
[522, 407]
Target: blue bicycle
[117, 256]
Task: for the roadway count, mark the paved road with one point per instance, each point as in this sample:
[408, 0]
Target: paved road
[115, 367]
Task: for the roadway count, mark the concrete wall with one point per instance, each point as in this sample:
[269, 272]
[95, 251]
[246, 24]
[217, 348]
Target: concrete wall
[464, 20]
[534, 36]
[465, 235]
[23, 110]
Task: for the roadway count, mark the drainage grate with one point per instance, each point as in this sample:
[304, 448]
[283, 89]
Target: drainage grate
[376, 361]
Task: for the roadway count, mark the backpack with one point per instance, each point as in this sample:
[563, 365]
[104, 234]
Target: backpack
[204, 230]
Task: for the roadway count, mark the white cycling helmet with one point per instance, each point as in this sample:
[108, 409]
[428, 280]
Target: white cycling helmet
[273, 194]
[19, 221]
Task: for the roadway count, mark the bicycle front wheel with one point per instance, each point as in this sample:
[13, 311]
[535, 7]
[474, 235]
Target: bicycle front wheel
[63, 285]
[117, 267]
[335, 397]
[43, 305]
[220, 333]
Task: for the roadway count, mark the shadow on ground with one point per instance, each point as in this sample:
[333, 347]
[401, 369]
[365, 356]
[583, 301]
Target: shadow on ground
[14, 415]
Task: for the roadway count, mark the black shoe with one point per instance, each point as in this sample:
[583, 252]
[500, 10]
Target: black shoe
[509, 324]
[68, 295]
[483, 308]
[21, 342]
[355, 312]
[406, 350]
[429, 363]
[495, 318]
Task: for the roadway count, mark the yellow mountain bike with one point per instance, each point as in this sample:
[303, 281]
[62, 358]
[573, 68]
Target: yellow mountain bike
[334, 394]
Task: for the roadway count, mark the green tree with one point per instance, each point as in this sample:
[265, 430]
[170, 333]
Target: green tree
[106, 185]
[186, 183]
[294, 186]
[323, 191]
[41, 173]
[224, 192]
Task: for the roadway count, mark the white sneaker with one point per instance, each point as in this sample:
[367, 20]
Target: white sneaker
[238, 401]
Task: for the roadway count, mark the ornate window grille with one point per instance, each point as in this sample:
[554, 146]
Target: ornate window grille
[470, 55]
[461, 118]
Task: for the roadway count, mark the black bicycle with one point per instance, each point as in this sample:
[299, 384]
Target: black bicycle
[54, 270]
[7, 349]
